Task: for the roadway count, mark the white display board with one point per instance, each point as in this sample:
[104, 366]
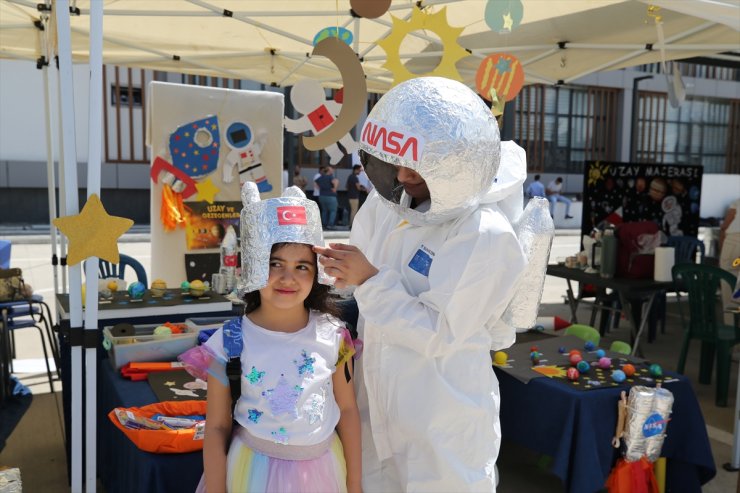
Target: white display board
[237, 131]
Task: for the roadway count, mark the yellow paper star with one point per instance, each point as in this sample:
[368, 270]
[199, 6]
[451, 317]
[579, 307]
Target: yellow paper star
[508, 21]
[169, 383]
[93, 232]
[206, 190]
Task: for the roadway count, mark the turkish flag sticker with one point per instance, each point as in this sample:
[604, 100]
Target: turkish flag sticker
[291, 214]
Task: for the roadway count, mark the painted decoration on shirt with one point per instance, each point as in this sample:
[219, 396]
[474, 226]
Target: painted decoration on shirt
[255, 376]
[283, 398]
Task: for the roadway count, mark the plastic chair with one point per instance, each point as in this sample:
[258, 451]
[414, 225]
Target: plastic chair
[584, 332]
[620, 347]
[107, 269]
[702, 283]
[686, 249]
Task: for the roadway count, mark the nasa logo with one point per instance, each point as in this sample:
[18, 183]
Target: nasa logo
[654, 425]
[392, 141]
[291, 214]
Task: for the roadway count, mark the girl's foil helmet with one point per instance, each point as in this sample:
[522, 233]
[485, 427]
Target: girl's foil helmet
[291, 218]
[443, 131]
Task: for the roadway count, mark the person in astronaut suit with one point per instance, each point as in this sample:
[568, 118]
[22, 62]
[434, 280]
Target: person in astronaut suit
[435, 263]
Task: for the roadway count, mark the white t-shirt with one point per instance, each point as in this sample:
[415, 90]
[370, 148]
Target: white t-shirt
[287, 393]
[316, 190]
[554, 187]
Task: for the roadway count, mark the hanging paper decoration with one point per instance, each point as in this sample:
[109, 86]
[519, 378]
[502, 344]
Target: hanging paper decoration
[245, 155]
[434, 23]
[173, 211]
[503, 16]
[501, 72]
[310, 100]
[93, 232]
[370, 9]
[207, 190]
[345, 35]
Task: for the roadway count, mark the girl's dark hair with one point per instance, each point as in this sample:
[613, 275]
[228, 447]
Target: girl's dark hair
[318, 299]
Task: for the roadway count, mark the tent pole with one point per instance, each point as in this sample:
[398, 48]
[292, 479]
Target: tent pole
[68, 144]
[95, 120]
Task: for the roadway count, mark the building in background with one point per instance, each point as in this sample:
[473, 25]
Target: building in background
[561, 127]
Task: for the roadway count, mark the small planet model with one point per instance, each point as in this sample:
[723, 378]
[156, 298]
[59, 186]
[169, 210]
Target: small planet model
[158, 287]
[106, 294]
[197, 288]
[618, 376]
[628, 369]
[562, 350]
[575, 358]
[583, 366]
[605, 362]
[185, 286]
[136, 290]
[572, 374]
[589, 346]
[656, 370]
[162, 332]
[500, 358]
[112, 285]
[600, 353]
[575, 351]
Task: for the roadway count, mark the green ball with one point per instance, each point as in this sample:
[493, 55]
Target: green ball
[656, 370]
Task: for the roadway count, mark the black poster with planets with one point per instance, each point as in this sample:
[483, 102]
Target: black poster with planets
[615, 193]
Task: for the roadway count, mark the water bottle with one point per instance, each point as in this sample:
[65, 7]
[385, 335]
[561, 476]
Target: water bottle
[608, 254]
[229, 257]
[596, 252]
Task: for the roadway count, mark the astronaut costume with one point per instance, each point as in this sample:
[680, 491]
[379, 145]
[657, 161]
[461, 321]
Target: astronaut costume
[427, 394]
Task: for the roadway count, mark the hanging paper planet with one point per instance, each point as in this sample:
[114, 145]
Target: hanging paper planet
[331, 32]
[618, 376]
[136, 290]
[628, 369]
[572, 374]
[583, 366]
[500, 358]
[501, 72]
[656, 370]
[158, 287]
[503, 17]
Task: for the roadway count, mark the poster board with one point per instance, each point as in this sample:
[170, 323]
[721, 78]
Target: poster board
[242, 134]
[622, 192]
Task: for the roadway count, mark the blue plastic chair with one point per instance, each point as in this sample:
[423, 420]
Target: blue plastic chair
[107, 269]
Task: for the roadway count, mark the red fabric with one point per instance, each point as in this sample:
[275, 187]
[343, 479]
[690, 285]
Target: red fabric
[630, 263]
[632, 477]
[164, 441]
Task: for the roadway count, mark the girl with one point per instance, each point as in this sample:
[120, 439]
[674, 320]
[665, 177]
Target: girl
[295, 374]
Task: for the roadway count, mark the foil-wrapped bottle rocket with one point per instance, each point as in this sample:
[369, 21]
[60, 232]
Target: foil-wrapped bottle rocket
[534, 230]
[648, 412]
[229, 257]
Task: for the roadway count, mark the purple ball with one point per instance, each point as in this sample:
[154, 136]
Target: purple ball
[605, 363]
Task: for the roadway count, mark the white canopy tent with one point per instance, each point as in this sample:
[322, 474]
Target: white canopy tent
[270, 42]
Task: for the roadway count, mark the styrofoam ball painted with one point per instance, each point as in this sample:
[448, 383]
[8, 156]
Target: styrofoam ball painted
[575, 359]
[136, 290]
[583, 366]
[572, 374]
[656, 370]
[500, 358]
[605, 362]
[600, 353]
[628, 369]
[618, 376]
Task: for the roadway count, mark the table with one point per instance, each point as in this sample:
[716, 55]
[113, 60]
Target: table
[173, 307]
[626, 289]
[575, 427]
[122, 467]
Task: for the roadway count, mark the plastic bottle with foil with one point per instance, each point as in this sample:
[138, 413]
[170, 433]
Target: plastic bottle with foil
[534, 230]
[229, 257]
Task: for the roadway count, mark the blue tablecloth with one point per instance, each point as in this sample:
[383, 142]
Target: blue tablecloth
[576, 428]
[122, 467]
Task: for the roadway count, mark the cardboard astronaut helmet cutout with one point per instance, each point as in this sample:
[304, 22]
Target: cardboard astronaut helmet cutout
[291, 218]
[440, 129]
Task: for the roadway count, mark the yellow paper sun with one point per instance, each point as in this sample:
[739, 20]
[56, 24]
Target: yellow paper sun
[597, 173]
[436, 23]
[550, 371]
[93, 232]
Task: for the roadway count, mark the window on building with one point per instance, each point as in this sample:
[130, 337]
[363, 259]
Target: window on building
[701, 131]
[126, 95]
[562, 127]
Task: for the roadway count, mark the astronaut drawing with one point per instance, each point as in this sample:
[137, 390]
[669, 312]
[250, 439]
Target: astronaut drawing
[308, 97]
[672, 212]
[245, 155]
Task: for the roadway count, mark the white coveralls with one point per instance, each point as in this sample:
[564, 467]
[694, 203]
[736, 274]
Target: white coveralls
[428, 397]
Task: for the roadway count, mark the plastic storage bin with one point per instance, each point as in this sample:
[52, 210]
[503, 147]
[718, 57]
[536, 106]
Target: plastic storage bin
[143, 346]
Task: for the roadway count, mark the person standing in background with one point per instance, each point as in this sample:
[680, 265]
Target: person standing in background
[729, 247]
[298, 179]
[328, 186]
[316, 190]
[354, 188]
[536, 188]
[553, 190]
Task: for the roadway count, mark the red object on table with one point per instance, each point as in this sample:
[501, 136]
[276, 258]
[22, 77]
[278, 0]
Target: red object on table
[139, 371]
[632, 477]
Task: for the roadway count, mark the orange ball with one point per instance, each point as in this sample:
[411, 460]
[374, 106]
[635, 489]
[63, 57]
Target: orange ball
[628, 369]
